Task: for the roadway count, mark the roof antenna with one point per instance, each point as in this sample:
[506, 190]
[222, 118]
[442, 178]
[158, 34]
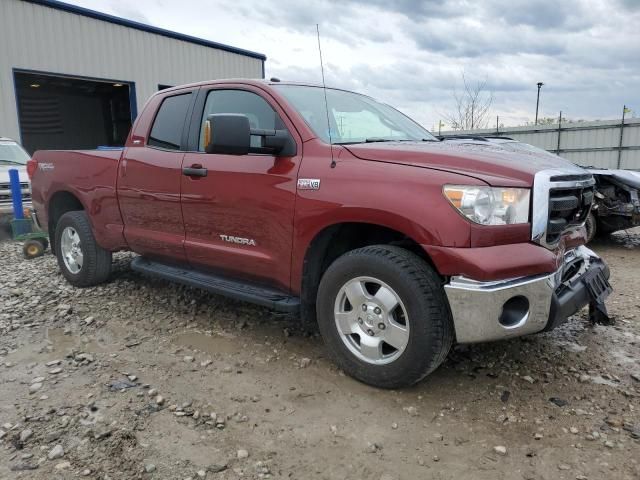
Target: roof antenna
[326, 103]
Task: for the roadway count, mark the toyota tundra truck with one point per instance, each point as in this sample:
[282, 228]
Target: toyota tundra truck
[334, 207]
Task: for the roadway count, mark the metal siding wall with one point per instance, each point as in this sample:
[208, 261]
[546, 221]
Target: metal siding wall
[34, 37]
[600, 134]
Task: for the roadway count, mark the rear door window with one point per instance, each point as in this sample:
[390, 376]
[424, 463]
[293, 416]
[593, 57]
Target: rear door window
[169, 123]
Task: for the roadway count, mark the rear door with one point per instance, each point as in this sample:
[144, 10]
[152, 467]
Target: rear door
[239, 218]
[149, 183]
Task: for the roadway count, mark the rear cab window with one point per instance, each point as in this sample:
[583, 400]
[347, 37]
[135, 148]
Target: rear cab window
[169, 124]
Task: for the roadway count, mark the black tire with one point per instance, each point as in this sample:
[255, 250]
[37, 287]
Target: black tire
[590, 225]
[33, 248]
[96, 265]
[422, 295]
[45, 243]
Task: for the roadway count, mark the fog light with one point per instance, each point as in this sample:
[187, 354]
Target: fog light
[515, 312]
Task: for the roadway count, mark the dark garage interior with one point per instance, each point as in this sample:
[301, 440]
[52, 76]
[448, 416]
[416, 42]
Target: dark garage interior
[57, 112]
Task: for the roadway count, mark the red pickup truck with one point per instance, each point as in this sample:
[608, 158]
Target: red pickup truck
[329, 204]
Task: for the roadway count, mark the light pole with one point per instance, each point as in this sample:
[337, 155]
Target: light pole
[538, 101]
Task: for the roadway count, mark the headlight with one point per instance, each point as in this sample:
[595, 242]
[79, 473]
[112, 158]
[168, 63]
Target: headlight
[490, 205]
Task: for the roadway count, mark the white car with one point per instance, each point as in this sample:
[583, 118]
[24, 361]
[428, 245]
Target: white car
[12, 155]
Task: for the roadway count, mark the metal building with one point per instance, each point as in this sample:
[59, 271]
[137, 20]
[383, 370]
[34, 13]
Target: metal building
[74, 78]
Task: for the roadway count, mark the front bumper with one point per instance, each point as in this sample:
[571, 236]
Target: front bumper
[494, 310]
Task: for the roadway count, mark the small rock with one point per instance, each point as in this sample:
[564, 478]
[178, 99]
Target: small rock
[159, 400]
[56, 452]
[558, 401]
[37, 380]
[35, 387]
[133, 378]
[305, 362]
[242, 454]
[205, 363]
[574, 430]
[528, 379]
[615, 422]
[63, 465]
[394, 426]
[609, 444]
[55, 371]
[86, 472]
[636, 376]
[201, 473]
[500, 450]
[584, 378]
[564, 466]
[25, 435]
[538, 436]
[149, 468]
[413, 411]
[53, 363]
[88, 320]
[188, 358]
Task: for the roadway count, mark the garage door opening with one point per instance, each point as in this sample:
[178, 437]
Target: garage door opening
[57, 112]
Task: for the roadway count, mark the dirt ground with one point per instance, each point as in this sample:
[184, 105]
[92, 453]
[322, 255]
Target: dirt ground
[143, 379]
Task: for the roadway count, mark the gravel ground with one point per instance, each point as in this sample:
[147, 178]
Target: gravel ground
[142, 379]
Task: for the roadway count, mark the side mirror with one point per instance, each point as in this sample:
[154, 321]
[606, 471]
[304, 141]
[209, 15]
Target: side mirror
[230, 133]
[227, 133]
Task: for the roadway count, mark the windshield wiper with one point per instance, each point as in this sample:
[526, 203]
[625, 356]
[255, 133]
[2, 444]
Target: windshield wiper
[11, 162]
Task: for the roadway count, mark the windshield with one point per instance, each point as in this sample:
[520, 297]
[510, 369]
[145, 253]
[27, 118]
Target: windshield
[354, 118]
[12, 154]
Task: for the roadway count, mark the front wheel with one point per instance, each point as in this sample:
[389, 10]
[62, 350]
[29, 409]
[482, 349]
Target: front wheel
[384, 316]
[82, 261]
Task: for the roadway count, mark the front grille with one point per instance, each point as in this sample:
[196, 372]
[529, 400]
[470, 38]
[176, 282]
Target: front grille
[561, 202]
[568, 208]
[5, 193]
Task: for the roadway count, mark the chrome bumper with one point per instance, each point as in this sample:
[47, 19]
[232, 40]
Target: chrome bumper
[484, 311]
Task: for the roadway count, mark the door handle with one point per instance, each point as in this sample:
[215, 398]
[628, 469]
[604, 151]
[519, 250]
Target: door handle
[195, 171]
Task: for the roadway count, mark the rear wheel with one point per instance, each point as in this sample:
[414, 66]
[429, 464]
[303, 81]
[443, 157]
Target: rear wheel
[384, 316]
[82, 261]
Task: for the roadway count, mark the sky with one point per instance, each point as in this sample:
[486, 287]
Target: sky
[411, 54]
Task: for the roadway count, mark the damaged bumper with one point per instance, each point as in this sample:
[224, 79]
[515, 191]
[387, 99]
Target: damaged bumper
[493, 310]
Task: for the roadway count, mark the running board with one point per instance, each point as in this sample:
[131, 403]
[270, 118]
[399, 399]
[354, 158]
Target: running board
[246, 292]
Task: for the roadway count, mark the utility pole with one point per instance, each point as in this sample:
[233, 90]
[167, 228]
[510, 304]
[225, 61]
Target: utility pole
[497, 123]
[624, 110]
[559, 132]
[439, 127]
[538, 101]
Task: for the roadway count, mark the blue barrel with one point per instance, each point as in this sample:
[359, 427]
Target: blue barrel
[16, 194]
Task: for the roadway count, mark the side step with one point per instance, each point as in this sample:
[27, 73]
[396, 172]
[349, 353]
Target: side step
[246, 292]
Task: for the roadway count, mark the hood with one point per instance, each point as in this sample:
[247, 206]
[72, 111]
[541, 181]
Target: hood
[4, 173]
[490, 162]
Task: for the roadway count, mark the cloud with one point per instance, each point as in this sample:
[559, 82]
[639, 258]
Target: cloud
[411, 53]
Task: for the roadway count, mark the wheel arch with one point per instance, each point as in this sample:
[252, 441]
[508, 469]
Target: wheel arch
[61, 202]
[336, 239]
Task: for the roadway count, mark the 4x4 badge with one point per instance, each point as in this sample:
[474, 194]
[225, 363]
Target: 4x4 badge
[308, 184]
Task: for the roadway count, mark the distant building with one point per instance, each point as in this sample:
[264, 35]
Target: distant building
[75, 78]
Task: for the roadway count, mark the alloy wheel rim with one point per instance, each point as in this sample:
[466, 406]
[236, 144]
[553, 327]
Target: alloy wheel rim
[371, 320]
[71, 249]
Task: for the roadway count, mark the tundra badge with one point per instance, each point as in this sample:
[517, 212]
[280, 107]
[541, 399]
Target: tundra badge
[308, 184]
[239, 240]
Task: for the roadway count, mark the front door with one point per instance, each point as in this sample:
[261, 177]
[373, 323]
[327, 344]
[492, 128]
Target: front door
[238, 219]
[149, 185]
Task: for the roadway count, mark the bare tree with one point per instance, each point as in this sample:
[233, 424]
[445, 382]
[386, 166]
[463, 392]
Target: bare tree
[472, 106]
